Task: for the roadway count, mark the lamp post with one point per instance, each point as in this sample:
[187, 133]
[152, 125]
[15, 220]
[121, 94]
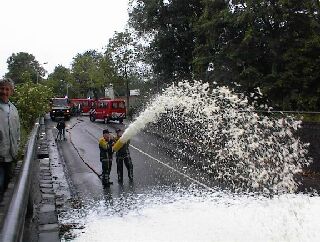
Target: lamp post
[67, 87]
[44, 63]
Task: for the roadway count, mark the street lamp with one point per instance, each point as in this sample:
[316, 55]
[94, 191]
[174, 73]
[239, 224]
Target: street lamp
[67, 89]
[44, 63]
[67, 86]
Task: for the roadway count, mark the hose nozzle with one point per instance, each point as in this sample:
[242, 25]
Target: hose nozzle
[117, 146]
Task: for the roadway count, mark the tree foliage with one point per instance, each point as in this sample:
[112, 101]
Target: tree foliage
[61, 81]
[92, 72]
[170, 24]
[271, 44]
[32, 101]
[122, 50]
[24, 64]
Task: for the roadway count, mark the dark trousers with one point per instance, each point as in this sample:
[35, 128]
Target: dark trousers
[5, 175]
[61, 134]
[128, 163]
[106, 168]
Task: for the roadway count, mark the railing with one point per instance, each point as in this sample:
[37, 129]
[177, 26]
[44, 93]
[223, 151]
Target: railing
[271, 111]
[13, 224]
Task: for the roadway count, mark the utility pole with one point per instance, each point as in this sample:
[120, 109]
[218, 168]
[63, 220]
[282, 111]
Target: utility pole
[127, 88]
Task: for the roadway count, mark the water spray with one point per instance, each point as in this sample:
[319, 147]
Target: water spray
[151, 114]
[241, 149]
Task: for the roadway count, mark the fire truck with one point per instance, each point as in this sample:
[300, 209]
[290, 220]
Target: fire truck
[108, 109]
[60, 108]
[85, 104]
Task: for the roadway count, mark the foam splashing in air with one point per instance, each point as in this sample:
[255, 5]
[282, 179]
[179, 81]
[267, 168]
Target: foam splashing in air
[221, 131]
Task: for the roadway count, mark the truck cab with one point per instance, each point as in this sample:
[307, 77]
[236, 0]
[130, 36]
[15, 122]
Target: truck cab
[107, 110]
[60, 108]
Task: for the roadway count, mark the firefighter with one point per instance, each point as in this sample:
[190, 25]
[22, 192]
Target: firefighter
[61, 130]
[123, 156]
[105, 146]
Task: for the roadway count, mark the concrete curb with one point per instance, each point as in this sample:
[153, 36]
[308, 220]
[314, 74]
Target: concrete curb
[48, 226]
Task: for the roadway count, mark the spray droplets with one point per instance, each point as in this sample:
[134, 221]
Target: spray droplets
[221, 132]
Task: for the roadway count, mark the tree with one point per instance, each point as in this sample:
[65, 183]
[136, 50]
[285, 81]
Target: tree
[170, 23]
[272, 44]
[122, 49]
[92, 72]
[210, 38]
[62, 82]
[32, 101]
[24, 64]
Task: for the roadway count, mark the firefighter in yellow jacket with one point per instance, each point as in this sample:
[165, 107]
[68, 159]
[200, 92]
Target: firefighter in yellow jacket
[105, 146]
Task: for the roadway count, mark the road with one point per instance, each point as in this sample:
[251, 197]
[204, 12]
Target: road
[169, 200]
[153, 167]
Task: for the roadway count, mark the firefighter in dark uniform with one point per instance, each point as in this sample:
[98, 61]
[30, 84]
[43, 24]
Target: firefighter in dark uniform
[61, 130]
[123, 156]
[105, 146]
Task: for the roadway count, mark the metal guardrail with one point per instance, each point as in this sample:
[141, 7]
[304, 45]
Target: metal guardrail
[271, 111]
[13, 225]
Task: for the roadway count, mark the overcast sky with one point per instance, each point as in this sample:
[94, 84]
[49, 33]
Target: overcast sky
[55, 31]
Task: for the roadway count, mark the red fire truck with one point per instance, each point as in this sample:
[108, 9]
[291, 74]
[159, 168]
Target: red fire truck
[85, 104]
[108, 109]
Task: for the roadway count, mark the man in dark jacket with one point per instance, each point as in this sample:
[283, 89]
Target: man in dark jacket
[61, 130]
[123, 156]
[105, 146]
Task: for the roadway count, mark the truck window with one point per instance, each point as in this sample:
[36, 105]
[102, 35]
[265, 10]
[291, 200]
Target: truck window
[60, 102]
[121, 105]
[103, 105]
[114, 105]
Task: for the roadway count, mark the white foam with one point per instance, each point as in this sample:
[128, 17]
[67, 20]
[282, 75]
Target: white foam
[211, 217]
[242, 148]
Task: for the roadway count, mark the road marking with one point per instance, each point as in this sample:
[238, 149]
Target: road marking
[171, 168]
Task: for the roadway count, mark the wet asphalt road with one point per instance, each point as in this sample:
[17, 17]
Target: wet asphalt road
[168, 199]
[153, 167]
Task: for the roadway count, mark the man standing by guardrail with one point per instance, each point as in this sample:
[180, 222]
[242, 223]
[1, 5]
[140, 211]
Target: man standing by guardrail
[9, 133]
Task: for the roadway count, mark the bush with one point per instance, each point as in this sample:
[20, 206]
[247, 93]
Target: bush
[32, 101]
